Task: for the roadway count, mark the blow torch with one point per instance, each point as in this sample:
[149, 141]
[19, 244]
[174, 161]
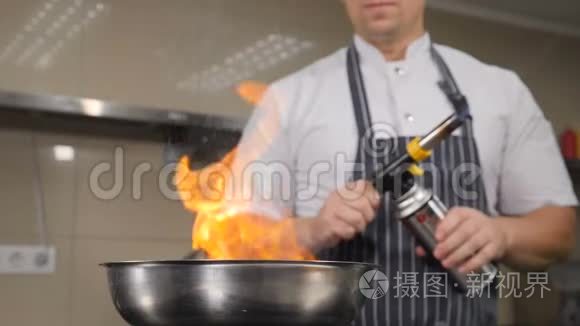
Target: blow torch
[418, 208]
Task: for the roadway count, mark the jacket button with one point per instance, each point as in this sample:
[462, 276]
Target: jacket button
[400, 71]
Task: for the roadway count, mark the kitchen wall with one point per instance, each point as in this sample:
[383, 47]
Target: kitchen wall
[85, 229]
[144, 52]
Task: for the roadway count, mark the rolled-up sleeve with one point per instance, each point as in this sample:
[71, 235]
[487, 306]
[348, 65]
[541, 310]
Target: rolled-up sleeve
[262, 171]
[533, 173]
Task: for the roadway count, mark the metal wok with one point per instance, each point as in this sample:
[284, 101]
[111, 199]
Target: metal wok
[213, 292]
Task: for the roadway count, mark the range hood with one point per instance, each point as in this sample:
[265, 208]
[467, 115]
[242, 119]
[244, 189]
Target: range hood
[99, 109]
[205, 137]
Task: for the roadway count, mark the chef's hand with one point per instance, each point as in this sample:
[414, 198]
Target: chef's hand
[468, 239]
[345, 213]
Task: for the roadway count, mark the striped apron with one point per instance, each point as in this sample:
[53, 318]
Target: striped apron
[387, 243]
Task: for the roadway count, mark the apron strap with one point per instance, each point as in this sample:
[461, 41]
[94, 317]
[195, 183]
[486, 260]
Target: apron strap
[449, 86]
[362, 114]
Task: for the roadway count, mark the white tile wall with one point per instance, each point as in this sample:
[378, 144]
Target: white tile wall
[136, 212]
[85, 230]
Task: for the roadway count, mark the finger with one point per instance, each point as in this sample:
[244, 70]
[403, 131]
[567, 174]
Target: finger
[372, 195]
[468, 249]
[364, 206]
[348, 192]
[420, 251]
[475, 263]
[453, 241]
[373, 198]
[354, 191]
[352, 217]
[358, 187]
[453, 219]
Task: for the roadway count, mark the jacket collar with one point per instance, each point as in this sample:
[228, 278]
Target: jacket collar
[369, 53]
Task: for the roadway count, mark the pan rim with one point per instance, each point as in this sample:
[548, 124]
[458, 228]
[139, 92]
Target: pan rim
[205, 262]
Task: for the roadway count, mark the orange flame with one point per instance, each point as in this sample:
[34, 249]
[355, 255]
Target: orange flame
[251, 91]
[221, 231]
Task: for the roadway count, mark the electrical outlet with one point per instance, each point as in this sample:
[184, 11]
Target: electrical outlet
[27, 259]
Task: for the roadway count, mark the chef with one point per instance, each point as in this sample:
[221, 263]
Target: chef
[318, 132]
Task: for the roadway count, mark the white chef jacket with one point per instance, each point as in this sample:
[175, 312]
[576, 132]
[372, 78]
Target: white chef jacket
[303, 135]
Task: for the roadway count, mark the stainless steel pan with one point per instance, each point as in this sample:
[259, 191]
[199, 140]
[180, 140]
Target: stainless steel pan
[213, 292]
